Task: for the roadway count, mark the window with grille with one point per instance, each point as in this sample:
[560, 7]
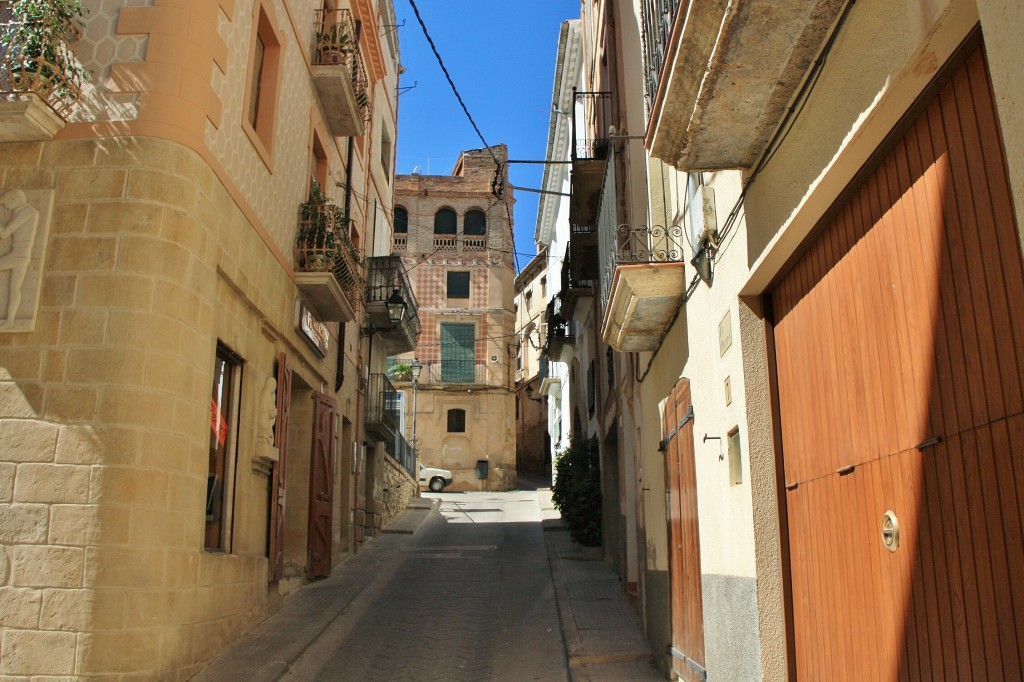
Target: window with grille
[456, 421]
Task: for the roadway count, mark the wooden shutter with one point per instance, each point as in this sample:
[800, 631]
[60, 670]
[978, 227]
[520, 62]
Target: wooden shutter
[321, 487]
[684, 536]
[277, 481]
[458, 354]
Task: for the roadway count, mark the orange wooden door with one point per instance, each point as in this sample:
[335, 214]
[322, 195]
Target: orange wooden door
[899, 341]
[684, 536]
[277, 480]
[321, 488]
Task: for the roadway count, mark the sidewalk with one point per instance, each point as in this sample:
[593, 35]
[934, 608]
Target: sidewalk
[603, 638]
[601, 631]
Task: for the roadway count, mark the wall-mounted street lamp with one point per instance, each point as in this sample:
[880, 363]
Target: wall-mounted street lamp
[396, 306]
[529, 395]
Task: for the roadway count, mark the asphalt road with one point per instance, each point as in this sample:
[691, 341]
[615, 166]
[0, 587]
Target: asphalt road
[469, 597]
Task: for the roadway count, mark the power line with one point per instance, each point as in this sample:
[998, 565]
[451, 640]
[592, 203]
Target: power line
[416, 11]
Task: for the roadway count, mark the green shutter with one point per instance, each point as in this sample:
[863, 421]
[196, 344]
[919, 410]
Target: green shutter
[458, 357]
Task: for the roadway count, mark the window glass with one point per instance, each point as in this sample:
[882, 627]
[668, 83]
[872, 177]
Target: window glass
[458, 285]
[456, 421]
[401, 220]
[222, 417]
[475, 223]
[445, 221]
[257, 79]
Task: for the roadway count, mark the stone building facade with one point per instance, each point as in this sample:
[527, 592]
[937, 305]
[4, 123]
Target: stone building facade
[533, 449]
[457, 246]
[145, 520]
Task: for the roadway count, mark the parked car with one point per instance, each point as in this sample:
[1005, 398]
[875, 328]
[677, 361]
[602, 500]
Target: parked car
[435, 479]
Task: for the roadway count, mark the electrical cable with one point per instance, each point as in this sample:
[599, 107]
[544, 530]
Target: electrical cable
[437, 55]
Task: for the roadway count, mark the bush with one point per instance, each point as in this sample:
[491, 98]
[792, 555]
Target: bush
[577, 490]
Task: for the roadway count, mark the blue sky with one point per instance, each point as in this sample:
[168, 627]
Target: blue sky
[501, 56]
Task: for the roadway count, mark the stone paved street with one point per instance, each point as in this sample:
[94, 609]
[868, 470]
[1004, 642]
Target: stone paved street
[470, 599]
[468, 586]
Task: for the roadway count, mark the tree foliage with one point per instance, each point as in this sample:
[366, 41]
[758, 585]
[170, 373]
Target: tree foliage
[577, 490]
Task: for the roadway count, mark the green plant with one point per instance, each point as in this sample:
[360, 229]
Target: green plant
[577, 490]
[401, 370]
[39, 41]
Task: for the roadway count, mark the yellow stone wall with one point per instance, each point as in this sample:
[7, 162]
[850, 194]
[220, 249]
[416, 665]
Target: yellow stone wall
[104, 415]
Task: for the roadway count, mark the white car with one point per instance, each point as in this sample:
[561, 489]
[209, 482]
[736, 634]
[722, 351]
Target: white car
[435, 479]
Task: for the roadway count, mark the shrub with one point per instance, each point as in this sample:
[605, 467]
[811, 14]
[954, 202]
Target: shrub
[577, 490]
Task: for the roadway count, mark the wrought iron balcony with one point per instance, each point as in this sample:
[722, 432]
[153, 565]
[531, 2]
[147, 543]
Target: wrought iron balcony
[463, 372]
[589, 155]
[381, 408]
[339, 72]
[385, 275]
[642, 279]
[561, 330]
[40, 77]
[328, 267]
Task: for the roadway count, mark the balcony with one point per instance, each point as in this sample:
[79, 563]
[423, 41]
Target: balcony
[328, 268]
[719, 90]
[40, 77]
[561, 331]
[458, 243]
[339, 73]
[381, 408]
[646, 286]
[402, 452]
[385, 275]
[575, 287]
[463, 373]
[589, 156]
[399, 243]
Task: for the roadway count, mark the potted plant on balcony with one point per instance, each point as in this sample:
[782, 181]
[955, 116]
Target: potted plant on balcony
[332, 44]
[401, 372]
[317, 239]
[38, 49]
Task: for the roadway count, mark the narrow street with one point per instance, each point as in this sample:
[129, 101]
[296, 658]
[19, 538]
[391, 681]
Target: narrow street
[459, 588]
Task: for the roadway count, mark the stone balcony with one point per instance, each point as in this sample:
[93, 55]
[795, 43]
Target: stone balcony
[721, 80]
[647, 286]
[339, 73]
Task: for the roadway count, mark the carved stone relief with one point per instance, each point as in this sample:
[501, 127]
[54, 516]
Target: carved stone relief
[24, 231]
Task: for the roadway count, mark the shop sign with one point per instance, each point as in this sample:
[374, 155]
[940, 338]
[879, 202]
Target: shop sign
[313, 330]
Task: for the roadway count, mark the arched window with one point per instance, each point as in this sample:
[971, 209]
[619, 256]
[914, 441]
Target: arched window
[445, 222]
[475, 223]
[456, 421]
[401, 220]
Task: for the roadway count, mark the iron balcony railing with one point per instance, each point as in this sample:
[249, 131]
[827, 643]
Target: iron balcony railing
[384, 274]
[596, 117]
[322, 245]
[658, 19]
[336, 43]
[39, 60]
[402, 452]
[381, 407]
[569, 279]
[461, 372]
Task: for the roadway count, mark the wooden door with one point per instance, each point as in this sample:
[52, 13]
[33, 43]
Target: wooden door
[277, 480]
[684, 536]
[321, 488]
[899, 341]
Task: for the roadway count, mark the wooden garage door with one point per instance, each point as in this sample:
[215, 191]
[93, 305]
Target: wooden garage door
[900, 359]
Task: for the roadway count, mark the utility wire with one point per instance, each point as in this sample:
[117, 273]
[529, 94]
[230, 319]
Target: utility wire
[416, 11]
